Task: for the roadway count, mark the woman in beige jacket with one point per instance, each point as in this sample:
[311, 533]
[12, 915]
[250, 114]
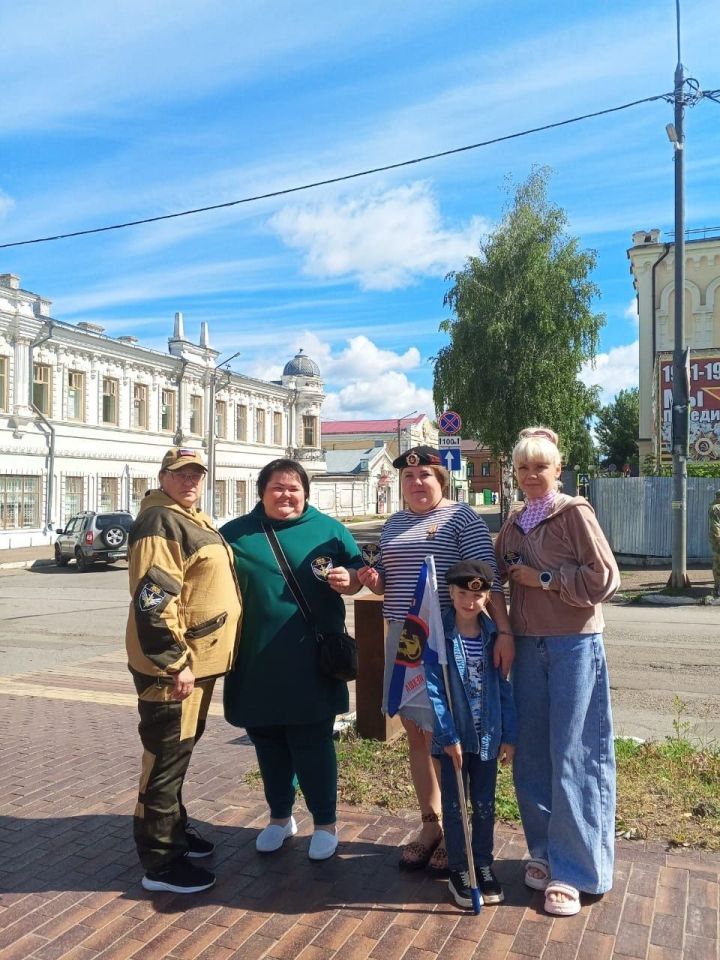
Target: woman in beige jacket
[560, 570]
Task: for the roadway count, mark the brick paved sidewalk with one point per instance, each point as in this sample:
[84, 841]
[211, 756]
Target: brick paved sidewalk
[70, 882]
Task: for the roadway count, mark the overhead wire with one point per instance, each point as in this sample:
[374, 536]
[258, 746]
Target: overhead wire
[339, 179]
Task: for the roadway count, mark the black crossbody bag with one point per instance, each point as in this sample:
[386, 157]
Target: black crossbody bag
[336, 652]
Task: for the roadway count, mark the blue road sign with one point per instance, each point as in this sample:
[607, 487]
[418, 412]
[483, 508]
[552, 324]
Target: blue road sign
[449, 422]
[450, 458]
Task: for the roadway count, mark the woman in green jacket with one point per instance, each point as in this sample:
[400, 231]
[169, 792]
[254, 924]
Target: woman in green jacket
[276, 691]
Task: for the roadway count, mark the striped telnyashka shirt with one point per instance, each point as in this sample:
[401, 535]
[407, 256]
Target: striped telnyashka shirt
[450, 533]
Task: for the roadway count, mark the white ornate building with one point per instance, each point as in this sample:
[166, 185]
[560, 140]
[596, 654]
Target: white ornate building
[85, 418]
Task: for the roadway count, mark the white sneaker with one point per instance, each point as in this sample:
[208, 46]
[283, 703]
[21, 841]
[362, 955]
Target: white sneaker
[274, 836]
[322, 845]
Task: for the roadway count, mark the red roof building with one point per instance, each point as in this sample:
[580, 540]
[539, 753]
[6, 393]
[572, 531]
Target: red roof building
[397, 433]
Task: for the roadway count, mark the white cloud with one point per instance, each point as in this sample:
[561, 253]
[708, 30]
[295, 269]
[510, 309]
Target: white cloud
[361, 380]
[613, 371]
[362, 355]
[390, 395]
[106, 58]
[631, 312]
[6, 203]
[177, 282]
[385, 240]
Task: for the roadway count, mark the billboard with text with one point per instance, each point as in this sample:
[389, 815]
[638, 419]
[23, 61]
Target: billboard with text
[704, 379]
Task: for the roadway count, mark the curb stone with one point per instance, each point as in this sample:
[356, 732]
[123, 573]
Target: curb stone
[27, 564]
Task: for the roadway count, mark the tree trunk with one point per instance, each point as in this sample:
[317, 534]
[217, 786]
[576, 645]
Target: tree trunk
[507, 488]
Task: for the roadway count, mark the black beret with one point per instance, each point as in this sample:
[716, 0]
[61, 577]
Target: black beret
[417, 457]
[475, 575]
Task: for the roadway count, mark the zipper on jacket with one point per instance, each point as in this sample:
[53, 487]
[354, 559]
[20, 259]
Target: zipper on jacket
[205, 628]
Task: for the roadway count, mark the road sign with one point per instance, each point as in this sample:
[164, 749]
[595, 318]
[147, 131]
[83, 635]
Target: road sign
[444, 442]
[450, 458]
[449, 422]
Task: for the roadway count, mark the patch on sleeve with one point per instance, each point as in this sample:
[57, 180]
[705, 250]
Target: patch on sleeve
[150, 597]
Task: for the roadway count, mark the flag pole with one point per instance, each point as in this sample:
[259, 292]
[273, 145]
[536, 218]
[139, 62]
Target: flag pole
[474, 891]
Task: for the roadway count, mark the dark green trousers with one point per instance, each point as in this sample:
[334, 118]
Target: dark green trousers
[169, 730]
[305, 751]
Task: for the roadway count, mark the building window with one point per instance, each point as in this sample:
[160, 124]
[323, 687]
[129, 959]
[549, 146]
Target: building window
[485, 469]
[260, 426]
[140, 486]
[42, 380]
[310, 431]
[221, 498]
[277, 429]
[221, 419]
[241, 504]
[3, 383]
[167, 413]
[109, 400]
[470, 469]
[74, 500]
[19, 502]
[140, 406]
[76, 395]
[109, 488]
[241, 421]
[196, 414]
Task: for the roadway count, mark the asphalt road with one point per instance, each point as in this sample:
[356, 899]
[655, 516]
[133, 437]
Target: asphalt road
[664, 661]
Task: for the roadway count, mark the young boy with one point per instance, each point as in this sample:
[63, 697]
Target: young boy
[474, 727]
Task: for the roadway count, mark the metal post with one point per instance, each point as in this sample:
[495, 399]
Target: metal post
[680, 411]
[399, 451]
[210, 481]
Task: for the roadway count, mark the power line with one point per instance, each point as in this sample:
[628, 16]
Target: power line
[340, 179]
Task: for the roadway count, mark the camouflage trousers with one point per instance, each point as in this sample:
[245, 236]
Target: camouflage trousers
[169, 730]
[716, 573]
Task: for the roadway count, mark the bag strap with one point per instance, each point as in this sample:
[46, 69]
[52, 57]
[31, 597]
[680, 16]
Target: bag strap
[287, 573]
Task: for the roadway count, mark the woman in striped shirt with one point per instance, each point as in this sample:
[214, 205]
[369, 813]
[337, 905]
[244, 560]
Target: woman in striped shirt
[430, 524]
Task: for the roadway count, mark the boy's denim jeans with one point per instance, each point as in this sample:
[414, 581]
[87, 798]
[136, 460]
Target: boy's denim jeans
[479, 777]
[564, 765]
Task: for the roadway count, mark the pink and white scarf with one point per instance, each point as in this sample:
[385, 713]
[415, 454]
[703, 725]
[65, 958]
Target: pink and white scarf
[535, 511]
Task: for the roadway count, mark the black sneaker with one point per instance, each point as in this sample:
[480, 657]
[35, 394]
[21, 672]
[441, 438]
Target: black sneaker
[459, 887]
[197, 846]
[179, 877]
[489, 886]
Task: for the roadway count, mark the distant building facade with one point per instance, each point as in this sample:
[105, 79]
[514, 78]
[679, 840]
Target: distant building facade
[359, 482]
[85, 418]
[397, 433]
[652, 265]
[483, 471]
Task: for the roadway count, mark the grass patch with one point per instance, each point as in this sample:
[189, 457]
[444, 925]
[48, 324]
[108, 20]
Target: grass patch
[668, 791]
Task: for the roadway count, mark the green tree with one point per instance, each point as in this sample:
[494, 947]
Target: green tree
[617, 428]
[581, 451]
[522, 329]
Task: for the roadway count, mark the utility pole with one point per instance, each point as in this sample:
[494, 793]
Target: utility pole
[681, 385]
[399, 440]
[211, 433]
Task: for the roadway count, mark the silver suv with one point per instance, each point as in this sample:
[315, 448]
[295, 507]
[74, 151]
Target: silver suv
[91, 536]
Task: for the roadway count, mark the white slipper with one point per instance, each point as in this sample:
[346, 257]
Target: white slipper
[537, 883]
[562, 908]
[322, 845]
[274, 836]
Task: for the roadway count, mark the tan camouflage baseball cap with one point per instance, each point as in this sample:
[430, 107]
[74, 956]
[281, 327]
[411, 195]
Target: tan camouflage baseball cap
[177, 457]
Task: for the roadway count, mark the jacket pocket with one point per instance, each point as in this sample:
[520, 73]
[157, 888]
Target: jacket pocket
[206, 627]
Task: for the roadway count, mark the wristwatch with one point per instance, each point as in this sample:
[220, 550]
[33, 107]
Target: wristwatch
[545, 577]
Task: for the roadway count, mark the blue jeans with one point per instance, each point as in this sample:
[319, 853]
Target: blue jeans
[479, 778]
[564, 766]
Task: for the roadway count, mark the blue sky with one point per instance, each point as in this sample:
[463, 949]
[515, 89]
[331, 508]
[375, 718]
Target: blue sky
[115, 111]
